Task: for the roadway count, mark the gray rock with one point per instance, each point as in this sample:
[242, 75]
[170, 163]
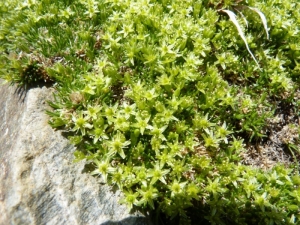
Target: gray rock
[39, 183]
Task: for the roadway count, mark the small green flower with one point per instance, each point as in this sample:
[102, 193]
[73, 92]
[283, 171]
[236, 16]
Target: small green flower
[262, 200]
[120, 122]
[150, 94]
[110, 112]
[202, 122]
[166, 116]
[215, 187]
[181, 127]
[150, 56]
[142, 123]
[117, 177]
[101, 63]
[103, 168]
[131, 50]
[148, 195]
[192, 190]
[66, 13]
[157, 131]
[210, 139]
[178, 168]
[223, 132]
[174, 103]
[165, 157]
[251, 186]
[177, 188]
[157, 173]
[92, 8]
[113, 43]
[247, 104]
[166, 49]
[81, 123]
[98, 134]
[141, 175]
[192, 61]
[89, 89]
[128, 110]
[126, 30]
[164, 80]
[92, 111]
[236, 146]
[130, 198]
[117, 144]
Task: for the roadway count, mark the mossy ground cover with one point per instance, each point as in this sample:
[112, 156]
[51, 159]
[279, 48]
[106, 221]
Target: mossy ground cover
[191, 111]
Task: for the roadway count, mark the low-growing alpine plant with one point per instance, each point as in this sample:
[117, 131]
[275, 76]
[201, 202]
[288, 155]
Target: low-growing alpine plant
[162, 97]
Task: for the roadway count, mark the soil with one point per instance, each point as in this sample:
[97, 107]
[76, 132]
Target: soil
[282, 134]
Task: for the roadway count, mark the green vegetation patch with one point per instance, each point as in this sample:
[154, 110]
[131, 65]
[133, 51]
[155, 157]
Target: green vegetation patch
[165, 98]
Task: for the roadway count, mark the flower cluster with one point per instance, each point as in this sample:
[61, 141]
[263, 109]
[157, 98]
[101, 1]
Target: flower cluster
[161, 97]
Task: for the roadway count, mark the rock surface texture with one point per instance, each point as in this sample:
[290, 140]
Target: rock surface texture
[39, 184]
